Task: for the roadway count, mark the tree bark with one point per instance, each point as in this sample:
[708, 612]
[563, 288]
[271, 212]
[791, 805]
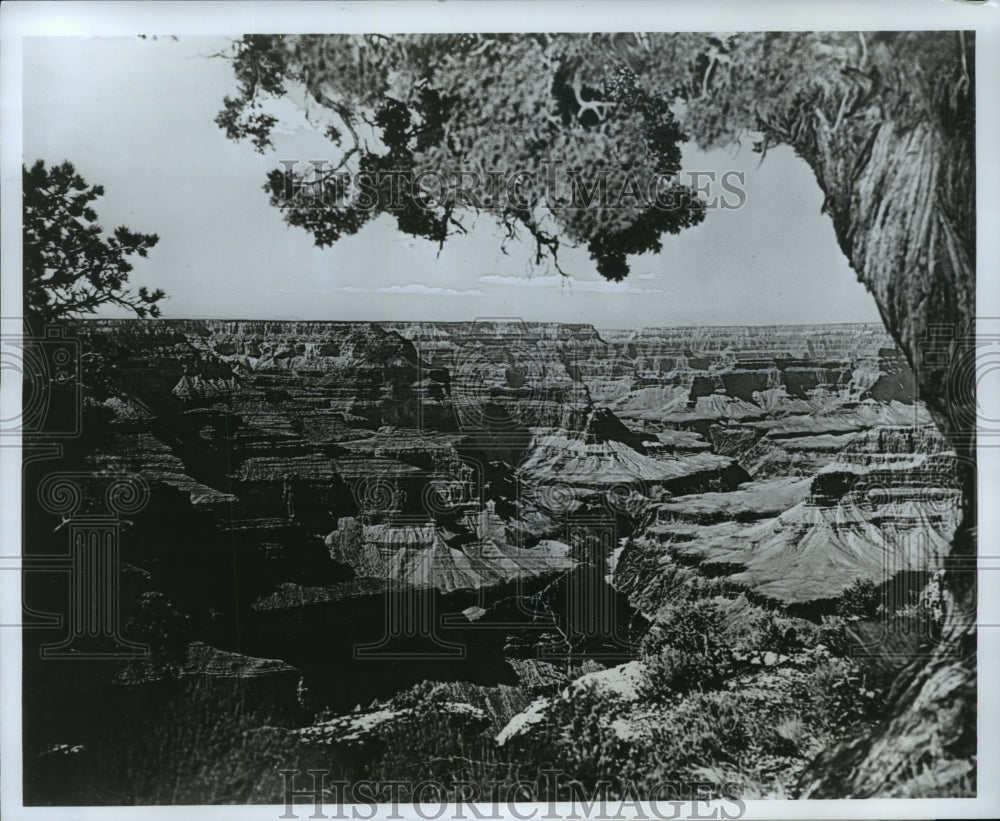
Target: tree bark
[899, 180]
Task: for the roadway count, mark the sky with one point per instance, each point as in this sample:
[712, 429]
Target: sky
[137, 116]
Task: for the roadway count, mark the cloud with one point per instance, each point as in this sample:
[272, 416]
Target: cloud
[428, 290]
[411, 289]
[649, 276]
[602, 286]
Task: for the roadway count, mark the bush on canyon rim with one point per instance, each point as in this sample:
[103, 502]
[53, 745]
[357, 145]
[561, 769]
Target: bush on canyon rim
[779, 718]
[698, 643]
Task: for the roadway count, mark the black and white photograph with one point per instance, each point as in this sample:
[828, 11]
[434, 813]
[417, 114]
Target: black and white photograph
[418, 408]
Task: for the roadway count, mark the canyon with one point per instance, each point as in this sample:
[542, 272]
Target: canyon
[364, 519]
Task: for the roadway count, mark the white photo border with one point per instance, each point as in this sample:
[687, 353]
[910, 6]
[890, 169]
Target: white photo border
[86, 19]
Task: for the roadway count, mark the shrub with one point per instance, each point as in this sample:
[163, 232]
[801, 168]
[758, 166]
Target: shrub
[863, 599]
[686, 649]
[698, 643]
[763, 731]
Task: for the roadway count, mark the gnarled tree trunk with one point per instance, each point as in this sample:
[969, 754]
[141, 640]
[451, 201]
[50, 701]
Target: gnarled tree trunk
[899, 178]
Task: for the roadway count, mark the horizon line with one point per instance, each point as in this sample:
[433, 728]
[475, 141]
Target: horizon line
[471, 321]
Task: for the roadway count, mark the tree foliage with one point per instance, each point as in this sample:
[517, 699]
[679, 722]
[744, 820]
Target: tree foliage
[430, 104]
[620, 103]
[70, 266]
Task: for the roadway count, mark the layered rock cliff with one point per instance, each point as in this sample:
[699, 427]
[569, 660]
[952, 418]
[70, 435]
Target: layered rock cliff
[320, 467]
